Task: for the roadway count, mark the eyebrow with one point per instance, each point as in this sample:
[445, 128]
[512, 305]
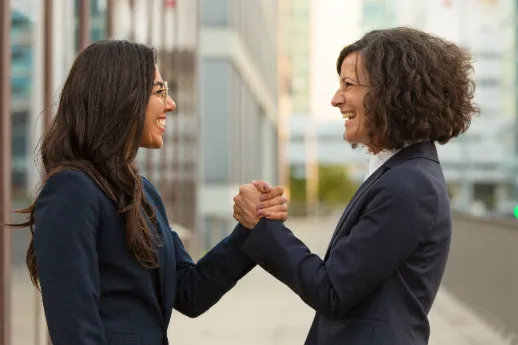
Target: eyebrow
[159, 83]
[347, 77]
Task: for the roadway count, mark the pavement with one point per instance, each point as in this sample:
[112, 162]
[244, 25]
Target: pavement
[262, 311]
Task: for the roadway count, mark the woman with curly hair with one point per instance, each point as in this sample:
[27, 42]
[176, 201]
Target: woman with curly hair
[109, 266]
[401, 91]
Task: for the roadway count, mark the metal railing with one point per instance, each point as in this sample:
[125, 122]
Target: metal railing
[482, 269]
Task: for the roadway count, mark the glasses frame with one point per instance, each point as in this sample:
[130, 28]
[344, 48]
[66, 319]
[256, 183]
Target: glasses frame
[165, 94]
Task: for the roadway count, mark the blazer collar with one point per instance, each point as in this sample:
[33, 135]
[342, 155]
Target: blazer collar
[423, 149]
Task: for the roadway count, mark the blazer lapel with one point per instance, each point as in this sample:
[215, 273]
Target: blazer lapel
[161, 246]
[424, 149]
[167, 270]
[363, 188]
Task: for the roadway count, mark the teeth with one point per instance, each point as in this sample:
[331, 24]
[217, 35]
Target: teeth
[160, 123]
[349, 114]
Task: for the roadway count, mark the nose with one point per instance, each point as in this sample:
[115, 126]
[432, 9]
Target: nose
[337, 99]
[170, 105]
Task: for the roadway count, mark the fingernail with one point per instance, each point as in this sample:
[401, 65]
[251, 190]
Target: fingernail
[260, 206]
[263, 197]
[267, 187]
[260, 213]
[254, 181]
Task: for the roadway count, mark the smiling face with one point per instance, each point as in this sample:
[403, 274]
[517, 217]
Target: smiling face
[158, 106]
[349, 99]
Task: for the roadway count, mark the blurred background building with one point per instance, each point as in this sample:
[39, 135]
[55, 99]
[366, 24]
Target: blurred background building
[253, 81]
[238, 105]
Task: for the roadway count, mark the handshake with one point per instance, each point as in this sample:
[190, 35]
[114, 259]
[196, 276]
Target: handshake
[258, 200]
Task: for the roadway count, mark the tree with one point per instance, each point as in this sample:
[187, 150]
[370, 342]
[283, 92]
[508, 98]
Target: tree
[335, 189]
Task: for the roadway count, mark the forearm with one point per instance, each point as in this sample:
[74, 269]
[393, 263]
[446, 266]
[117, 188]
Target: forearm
[200, 286]
[274, 247]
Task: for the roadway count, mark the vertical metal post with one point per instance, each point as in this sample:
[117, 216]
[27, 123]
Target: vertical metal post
[151, 11]
[110, 25]
[177, 163]
[133, 16]
[84, 24]
[166, 57]
[5, 172]
[48, 70]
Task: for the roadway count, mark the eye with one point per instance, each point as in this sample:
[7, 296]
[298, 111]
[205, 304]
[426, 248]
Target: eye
[159, 91]
[347, 85]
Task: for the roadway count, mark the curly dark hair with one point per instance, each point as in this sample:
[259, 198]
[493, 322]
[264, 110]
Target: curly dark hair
[420, 87]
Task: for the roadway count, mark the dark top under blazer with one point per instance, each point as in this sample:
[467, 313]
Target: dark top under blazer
[385, 261]
[94, 291]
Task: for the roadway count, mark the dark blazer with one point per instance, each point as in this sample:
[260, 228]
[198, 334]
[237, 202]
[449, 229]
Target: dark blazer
[94, 291]
[385, 261]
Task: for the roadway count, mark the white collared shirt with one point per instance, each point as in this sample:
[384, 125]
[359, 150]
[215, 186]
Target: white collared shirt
[378, 159]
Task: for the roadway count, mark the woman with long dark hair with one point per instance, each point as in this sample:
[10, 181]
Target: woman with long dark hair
[109, 267]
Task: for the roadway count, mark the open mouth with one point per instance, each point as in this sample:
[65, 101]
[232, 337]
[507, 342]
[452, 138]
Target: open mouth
[349, 115]
[160, 123]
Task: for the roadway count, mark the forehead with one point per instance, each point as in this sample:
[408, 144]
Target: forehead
[158, 76]
[352, 65]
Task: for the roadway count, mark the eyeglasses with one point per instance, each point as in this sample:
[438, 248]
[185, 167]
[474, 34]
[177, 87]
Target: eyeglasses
[163, 92]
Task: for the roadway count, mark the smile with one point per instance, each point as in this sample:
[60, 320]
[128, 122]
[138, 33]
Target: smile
[349, 115]
[161, 124]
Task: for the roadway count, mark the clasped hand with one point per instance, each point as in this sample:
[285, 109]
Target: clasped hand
[257, 200]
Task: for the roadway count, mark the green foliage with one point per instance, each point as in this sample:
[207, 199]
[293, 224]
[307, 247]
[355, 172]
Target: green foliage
[334, 186]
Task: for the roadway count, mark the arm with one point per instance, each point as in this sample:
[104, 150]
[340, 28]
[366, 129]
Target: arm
[199, 286]
[399, 214]
[66, 218]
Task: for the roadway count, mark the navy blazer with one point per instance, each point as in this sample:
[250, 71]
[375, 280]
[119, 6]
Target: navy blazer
[95, 292]
[385, 262]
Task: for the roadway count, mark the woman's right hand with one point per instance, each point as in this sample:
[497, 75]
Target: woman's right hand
[273, 205]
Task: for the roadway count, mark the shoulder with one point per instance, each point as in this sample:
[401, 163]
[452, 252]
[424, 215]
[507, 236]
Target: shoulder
[72, 187]
[71, 182]
[408, 182]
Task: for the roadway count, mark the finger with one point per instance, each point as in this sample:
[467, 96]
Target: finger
[275, 208]
[276, 191]
[239, 214]
[278, 200]
[239, 200]
[262, 186]
[281, 216]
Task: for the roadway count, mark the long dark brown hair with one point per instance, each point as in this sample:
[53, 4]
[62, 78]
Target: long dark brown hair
[97, 130]
[420, 87]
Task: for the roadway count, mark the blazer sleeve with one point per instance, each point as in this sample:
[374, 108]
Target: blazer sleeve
[199, 286]
[400, 212]
[66, 222]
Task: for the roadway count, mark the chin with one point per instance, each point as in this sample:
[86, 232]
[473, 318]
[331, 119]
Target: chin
[350, 139]
[157, 144]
